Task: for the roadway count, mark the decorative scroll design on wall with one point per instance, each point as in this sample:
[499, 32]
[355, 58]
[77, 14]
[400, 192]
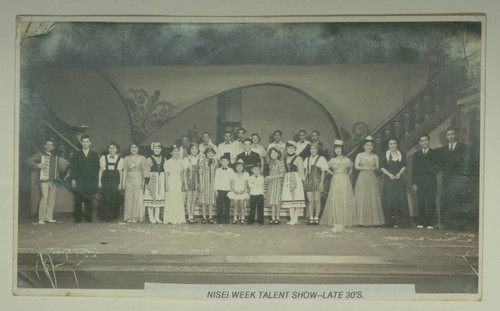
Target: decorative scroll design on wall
[148, 113]
[359, 131]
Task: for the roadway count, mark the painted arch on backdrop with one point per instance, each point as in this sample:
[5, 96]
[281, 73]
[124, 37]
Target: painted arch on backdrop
[148, 112]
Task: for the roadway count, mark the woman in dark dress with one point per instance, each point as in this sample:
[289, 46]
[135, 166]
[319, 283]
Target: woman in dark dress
[110, 183]
[394, 197]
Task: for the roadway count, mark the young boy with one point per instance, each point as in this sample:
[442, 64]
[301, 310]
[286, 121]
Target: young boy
[223, 176]
[256, 185]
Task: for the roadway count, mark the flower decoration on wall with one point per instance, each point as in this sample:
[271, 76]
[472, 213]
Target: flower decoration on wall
[148, 112]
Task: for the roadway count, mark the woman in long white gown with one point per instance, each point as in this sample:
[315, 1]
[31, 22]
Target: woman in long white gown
[174, 202]
[339, 209]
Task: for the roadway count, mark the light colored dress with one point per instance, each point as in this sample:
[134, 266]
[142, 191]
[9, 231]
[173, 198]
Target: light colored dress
[137, 171]
[293, 188]
[366, 194]
[260, 150]
[154, 194]
[240, 184]
[207, 180]
[339, 208]
[275, 185]
[174, 202]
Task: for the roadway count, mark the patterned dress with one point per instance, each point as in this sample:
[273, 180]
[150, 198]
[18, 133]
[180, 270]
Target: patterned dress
[275, 185]
[293, 189]
[154, 194]
[207, 180]
[339, 207]
[366, 194]
[137, 170]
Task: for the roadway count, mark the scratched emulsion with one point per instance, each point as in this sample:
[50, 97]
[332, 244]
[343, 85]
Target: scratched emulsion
[101, 238]
[131, 44]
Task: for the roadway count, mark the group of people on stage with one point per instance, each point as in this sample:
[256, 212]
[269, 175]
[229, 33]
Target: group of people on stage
[235, 173]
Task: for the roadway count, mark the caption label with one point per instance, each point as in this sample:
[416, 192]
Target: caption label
[279, 292]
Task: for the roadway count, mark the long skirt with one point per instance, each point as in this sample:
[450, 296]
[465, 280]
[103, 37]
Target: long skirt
[174, 212]
[293, 191]
[367, 200]
[154, 194]
[134, 208]
[109, 207]
[339, 207]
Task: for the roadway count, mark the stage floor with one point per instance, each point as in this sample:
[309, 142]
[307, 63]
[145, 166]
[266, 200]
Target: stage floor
[438, 260]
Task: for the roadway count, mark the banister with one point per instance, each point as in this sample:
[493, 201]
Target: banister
[436, 76]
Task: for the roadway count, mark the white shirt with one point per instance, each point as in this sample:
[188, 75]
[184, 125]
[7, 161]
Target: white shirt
[102, 162]
[256, 184]
[425, 150]
[223, 178]
[322, 163]
[452, 146]
[301, 145]
[189, 161]
[86, 152]
[238, 148]
[226, 147]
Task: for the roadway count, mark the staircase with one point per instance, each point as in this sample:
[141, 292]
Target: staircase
[428, 108]
[37, 122]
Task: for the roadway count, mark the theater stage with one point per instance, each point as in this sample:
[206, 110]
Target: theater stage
[124, 256]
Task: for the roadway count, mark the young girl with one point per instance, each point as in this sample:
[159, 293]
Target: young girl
[134, 173]
[191, 180]
[315, 167]
[154, 194]
[275, 183]
[366, 194]
[394, 197]
[110, 183]
[239, 194]
[292, 196]
[173, 212]
[339, 208]
[208, 165]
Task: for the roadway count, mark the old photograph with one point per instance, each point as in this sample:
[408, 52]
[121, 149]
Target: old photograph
[287, 150]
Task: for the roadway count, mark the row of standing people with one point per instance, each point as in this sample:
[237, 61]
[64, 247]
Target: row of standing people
[156, 183]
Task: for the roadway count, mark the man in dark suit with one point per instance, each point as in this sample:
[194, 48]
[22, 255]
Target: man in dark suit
[322, 151]
[248, 157]
[423, 175]
[84, 175]
[453, 165]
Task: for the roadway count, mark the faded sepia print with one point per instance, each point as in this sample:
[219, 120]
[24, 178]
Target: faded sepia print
[226, 151]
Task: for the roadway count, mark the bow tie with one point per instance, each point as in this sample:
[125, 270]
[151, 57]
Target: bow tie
[224, 168]
[227, 143]
[111, 157]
